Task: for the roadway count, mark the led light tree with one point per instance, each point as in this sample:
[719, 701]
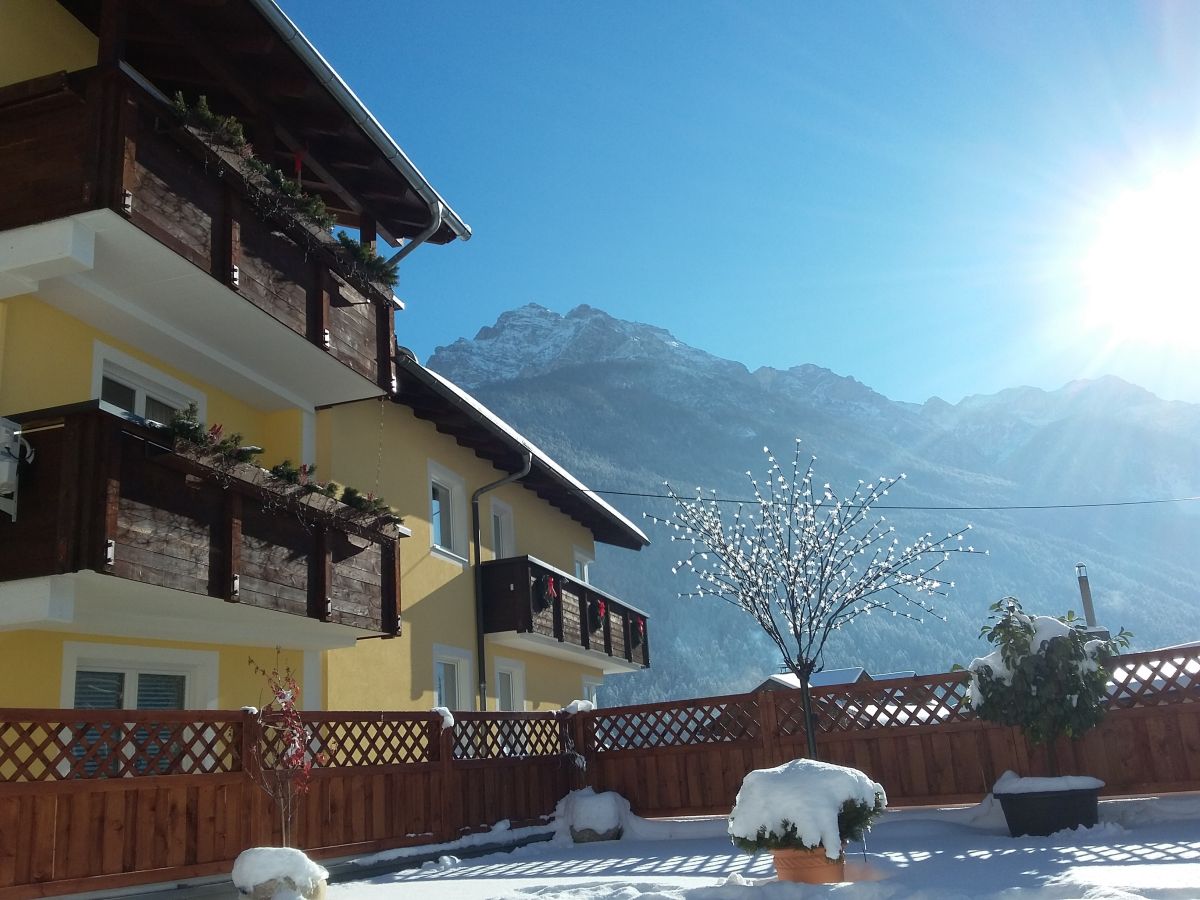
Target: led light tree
[806, 562]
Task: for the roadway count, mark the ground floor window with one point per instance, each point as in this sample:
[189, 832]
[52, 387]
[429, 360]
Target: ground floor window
[591, 689]
[119, 676]
[452, 677]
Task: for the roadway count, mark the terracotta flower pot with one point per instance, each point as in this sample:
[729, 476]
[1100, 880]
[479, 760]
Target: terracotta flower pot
[809, 866]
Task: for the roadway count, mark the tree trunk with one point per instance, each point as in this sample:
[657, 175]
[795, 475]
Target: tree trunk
[810, 729]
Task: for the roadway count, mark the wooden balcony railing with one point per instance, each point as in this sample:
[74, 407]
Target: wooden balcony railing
[109, 494]
[86, 141]
[525, 595]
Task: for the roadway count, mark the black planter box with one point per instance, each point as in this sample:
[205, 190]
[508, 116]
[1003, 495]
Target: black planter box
[1045, 812]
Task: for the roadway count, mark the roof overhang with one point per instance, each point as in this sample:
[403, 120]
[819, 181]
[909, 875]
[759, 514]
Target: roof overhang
[456, 413]
[251, 61]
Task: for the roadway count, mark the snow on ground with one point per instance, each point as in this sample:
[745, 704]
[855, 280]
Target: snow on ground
[1147, 848]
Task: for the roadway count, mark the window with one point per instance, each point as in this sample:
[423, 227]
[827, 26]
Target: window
[107, 689]
[447, 514]
[504, 543]
[510, 685]
[441, 519]
[118, 676]
[583, 565]
[137, 388]
[591, 689]
[452, 677]
[126, 676]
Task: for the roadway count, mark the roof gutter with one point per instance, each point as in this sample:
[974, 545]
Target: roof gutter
[480, 658]
[295, 39]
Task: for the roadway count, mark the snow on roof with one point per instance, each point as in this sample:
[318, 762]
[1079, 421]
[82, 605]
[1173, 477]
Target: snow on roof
[508, 431]
[827, 678]
[892, 676]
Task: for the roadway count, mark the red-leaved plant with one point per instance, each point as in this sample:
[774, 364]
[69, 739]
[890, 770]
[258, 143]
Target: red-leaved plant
[281, 758]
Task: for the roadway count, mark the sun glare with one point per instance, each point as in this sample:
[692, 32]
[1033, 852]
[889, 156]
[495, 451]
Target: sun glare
[1142, 270]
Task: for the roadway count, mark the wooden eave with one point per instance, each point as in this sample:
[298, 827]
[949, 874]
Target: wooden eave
[227, 51]
[432, 401]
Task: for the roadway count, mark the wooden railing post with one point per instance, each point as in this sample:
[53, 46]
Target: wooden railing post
[768, 723]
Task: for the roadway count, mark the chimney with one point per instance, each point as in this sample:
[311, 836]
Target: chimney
[1085, 592]
[1089, 611]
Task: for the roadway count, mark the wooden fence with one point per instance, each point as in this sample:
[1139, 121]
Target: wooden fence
[916, 736]
[93, 800]
[100, 799]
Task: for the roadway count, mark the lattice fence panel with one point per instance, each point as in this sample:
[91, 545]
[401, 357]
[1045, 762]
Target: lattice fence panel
[678, 725]
[109, 747]
[501, 737]
[341, 742]
[937, 700]
[1155, 680]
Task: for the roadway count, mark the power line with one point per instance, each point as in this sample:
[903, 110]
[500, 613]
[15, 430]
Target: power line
[1022, 506]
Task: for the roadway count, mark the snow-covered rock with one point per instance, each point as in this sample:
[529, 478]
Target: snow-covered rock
[278, 873]
[587, 816]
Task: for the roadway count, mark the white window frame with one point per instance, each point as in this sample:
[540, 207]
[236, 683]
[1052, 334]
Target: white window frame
[201, 668]
[579, 555]
[145, 380]
[502, 511]
[457, 488]
[515, 669]
[461, 660]
[592, 682]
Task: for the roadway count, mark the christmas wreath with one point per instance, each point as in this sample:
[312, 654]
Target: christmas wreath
[596, 613]
[637, 634]
[545, 592]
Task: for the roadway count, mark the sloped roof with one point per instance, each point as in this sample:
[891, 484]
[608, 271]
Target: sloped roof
[455, 412]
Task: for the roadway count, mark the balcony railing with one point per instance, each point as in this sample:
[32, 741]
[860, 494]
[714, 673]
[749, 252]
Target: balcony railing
[110, 494]
[75, 143]
[524, 595]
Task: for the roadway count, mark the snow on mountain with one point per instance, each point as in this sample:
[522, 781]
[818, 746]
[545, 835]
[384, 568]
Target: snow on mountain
[626, 406]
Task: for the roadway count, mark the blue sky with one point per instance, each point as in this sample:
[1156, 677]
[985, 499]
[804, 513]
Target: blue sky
[900, 192]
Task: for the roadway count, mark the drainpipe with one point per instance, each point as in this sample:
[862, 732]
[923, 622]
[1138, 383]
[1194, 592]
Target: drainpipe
[438, 211]
[480, 662]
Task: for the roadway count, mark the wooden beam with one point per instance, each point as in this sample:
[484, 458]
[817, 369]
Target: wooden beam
[320, 580]
[114, 26]
[232, 545]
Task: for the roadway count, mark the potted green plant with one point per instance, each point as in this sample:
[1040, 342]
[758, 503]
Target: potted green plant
[1046, 676]
[805, 812]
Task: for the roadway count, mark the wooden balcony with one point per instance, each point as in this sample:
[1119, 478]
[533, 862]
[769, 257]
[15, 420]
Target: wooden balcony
[109, 494]
[529, 604]
[73, 144]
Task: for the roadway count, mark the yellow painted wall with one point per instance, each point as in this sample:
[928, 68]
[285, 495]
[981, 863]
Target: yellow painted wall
[34, 377]
[39, 37]
[438, 593]
[31, 667]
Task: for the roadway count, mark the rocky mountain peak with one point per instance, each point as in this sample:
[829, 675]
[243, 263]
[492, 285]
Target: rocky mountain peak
[534, 340]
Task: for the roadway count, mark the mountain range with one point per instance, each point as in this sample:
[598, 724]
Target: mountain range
[627, 407]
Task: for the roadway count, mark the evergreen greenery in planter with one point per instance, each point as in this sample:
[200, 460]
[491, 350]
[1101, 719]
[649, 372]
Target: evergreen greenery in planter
[854, 820]
[1046, 676]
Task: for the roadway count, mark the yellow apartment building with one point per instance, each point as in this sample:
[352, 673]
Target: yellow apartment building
[160, 253]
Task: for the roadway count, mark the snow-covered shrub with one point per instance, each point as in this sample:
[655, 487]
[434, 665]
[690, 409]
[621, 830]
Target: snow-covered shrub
[1046, 675]
[278, 873]
[802, 805]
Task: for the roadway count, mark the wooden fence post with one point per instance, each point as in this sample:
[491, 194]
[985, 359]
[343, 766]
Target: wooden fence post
[769, 725]
[582, 733]
[451, 799]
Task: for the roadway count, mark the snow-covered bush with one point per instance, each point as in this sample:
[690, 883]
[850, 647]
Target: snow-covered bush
[1046, 675]
[802, 805]
[278, 873]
